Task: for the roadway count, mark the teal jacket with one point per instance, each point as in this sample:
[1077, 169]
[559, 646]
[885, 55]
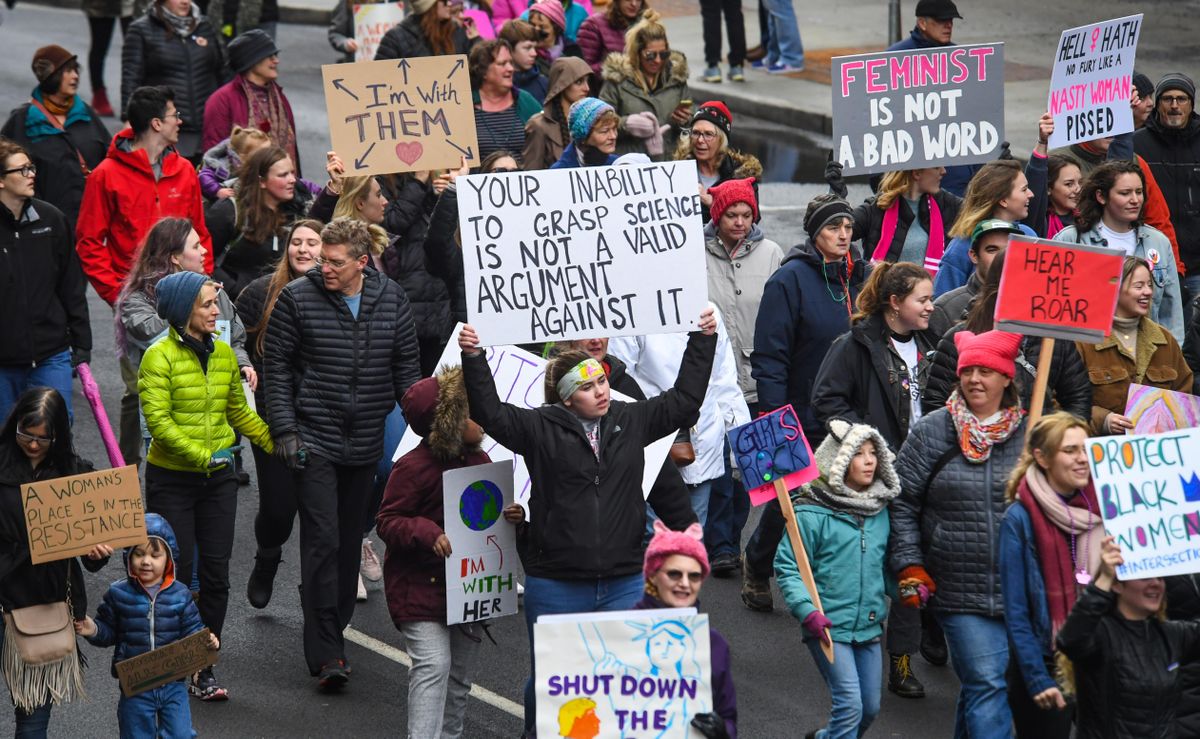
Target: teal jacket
[847, 555]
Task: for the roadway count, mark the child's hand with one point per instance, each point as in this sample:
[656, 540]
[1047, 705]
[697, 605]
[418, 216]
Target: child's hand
[514, 513]
[441, 547]
[225, 192]
[468, 340]
[213, 642]
[85, 626]
[100, 551]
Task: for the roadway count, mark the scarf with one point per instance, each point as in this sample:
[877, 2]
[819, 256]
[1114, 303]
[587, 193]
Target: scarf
[270, 117]
[55, 108]
[937, 236]
[1067, 535]
[975, 438]
[866, 503]
[182, 25]
[1055, 223]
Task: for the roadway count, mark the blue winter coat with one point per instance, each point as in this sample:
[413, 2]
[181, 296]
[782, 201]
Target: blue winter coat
[1026, 614]
[916, 40]
[570, 158]
[135, 622]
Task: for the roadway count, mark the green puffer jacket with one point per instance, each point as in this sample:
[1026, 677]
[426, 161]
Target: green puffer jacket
[189, 413]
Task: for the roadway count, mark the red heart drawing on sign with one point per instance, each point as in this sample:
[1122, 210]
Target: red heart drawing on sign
[410, 152]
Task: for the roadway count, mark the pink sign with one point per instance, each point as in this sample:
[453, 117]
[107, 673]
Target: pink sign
[769, 448]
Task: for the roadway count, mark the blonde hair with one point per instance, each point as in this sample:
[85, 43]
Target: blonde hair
[1046, 437]
[893, 185]
[637, 38]
[991, 184]
[572, 711]
[683, 150]
[354, 190]
[241, 139]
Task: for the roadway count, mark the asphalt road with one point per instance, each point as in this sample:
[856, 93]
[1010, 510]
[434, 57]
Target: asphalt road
[780, 693]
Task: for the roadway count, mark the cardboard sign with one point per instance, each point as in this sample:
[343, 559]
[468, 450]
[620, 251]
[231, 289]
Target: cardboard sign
[67, 516]
[371, 22]
[166, 664]
[1058, 290]
[622, 673]
[401, 115]
[919, 108]
[481, 570]
[519, 376]
[1149, 496]
[575, 253]
[1092, 81]
[772, 447]
[1154, 410]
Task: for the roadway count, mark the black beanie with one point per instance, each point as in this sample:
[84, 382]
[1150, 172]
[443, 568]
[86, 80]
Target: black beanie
[1143, 84]
[1176, 81]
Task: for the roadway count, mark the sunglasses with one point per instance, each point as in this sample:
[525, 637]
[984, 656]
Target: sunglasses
[677, 575]
[650, 56]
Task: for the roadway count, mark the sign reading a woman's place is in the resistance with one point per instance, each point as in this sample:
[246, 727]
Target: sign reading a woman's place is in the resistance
[401, 115]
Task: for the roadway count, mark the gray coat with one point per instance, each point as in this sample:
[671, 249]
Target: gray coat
[622, 91]
[950, 524]
[143, 327]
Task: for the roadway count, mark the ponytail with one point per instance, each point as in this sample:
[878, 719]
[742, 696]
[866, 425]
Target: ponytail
[887, 279]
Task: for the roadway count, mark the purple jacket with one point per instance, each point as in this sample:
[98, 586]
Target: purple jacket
[598, 38]
[724, 695]
[228, 107]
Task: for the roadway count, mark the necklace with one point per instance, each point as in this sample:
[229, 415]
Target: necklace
[1082, 576]
[845, 296]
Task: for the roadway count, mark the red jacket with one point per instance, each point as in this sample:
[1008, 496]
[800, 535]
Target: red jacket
[122, 201]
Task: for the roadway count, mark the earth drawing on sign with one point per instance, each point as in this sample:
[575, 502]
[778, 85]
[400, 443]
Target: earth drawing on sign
[480, 505]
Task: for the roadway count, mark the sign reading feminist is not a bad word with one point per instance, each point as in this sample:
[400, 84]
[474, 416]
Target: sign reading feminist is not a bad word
[576, 253]
[67, 516]
[481, 570]
[402, 115]
[769, 448]
[1093, 81]
[1149, 496]
[920, 108]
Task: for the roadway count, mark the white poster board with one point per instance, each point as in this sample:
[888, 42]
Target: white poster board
[1149, 496]
[1092, 81]
[371, 22]
[623, 673]
[481, 569]
[576, 253]
[519, 376]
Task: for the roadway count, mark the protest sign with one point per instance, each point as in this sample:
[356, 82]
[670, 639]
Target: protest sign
[576, 253]
[401, 115]
[919, 108]
[1092, 81]
[166, 664]
[481, 570]
[772, 447]
[599, 671]
[1058, 290]
[1149, 496]
[1154, 410]
[67, 516]
[519, 376]
[371, 22]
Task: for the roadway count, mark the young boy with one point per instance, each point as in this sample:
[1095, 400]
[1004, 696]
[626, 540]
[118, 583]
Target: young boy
[147, 610]
[527, 74]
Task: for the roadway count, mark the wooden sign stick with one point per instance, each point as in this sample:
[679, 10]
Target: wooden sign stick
[1038, 401]
[793, 530]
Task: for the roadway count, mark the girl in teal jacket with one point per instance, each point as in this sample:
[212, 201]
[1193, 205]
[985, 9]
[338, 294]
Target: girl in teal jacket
[843, 522]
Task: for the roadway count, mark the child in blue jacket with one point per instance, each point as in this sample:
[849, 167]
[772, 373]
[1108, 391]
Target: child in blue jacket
[147, 610]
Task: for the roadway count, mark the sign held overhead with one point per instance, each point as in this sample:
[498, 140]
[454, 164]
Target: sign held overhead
[1092, 81]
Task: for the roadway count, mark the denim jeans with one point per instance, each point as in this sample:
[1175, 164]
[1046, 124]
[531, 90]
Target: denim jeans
[439, 682]
[544, 595]
[34, 725]
[760, 550]
[855, 682]
[162, 712]
[784, 43]
[979, 653]
[53, 371]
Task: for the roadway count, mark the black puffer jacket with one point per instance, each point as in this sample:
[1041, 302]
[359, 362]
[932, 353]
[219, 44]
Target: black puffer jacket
[951, 524]
[443, 255]
[1068, 387]
[239, 260]
[334, 379]
[868, 222]
[587, 516]
[192, 66]
[406, 40]
[1183, 604]
[1174, 157]
[1125, 676]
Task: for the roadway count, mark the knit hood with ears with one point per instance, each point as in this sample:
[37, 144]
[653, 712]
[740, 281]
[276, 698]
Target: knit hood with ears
[436, 408]
[833, 459]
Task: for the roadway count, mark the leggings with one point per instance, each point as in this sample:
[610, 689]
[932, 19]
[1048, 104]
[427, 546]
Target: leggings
[102, 31]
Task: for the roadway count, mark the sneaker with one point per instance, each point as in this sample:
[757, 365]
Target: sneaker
[781, 68]
[333, 676]
[725, 565]
[901, 679]
[933, 647]
[758, 63]
[756, 54]
[361, 597]
[756, 594]
[711, 74]
[261, 583]
[204, 686]
[370, 568]
[736, 74]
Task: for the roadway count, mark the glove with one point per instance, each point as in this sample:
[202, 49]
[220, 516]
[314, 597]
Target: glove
[710, 725]
[80, 356]
[815, 624]
[290, 452]
[1005, 152]
[223, 457]
[833, 176]
[916, 586]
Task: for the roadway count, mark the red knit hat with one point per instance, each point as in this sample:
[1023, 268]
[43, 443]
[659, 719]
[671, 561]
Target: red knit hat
[716, 113]
[666, 542]
[729, 192]
[992, 349]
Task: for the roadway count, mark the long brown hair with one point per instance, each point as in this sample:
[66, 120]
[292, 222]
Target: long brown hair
[282, 275]
[887, 280]
[991, 184]
[255, 219]
[438, 32]
[1101, 181]
[618, 21]
[893, 185]
[981, 317]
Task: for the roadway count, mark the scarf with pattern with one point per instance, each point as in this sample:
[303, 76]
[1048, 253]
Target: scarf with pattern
[976, 438]
[270, 117]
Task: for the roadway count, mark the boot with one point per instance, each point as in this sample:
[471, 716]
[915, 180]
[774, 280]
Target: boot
[756, 593]
[100, 103]
[901, 679]
[262, 577]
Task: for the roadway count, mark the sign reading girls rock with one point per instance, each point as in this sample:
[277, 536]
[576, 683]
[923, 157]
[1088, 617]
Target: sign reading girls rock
[575, 253]
[897, 110]
[1093, 81]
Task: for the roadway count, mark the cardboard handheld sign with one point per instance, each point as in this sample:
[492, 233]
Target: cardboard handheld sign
[481, 572]
[1092, 81]
[166, 664]
[1058, 290]
[67, 516]
[770, 448]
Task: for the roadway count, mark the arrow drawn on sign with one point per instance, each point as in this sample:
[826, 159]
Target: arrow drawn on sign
[457, 66]
[404, 65]
[465, 152]
[360, 162]
[338, 85]
[492, 540]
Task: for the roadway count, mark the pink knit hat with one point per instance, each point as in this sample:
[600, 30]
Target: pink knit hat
[666, 542]
[553, 10]
[993, 349]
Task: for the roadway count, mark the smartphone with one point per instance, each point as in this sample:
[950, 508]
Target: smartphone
[686, 103]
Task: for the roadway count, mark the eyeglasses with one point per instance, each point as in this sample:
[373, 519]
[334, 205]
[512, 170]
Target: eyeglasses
[662, 56]
[27, 170]
[335, 263]
[677, 575]
[702, 135]
[25, 438]
[1174, 99]
[176, 115]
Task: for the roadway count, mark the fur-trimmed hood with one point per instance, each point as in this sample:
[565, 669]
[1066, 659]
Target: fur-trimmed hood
[435, 409]
[740, 166]
[617, 69]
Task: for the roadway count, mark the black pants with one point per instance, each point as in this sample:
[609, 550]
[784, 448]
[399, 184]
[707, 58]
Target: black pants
[764, 30]
[332, 500]
[276, 501]
[101, 38]
[202, 510]
[1030, 721]
[710, 15]
[903, 634]
[760, 550]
